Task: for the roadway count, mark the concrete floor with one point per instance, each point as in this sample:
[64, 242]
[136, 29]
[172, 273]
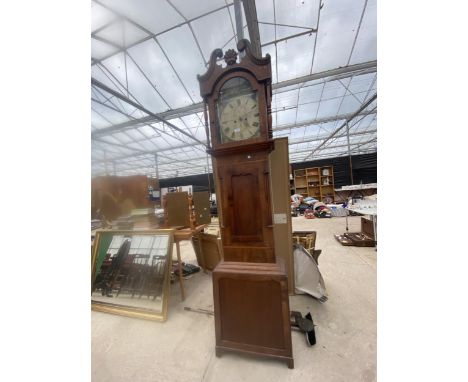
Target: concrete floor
[182, 348]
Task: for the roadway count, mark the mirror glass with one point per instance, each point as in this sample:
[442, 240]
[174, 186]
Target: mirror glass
[131, 272]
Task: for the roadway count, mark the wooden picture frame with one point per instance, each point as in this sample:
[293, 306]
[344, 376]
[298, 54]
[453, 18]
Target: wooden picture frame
[130, 272]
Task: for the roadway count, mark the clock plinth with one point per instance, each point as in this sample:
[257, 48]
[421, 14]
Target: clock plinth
[252, 310]
[250, 284]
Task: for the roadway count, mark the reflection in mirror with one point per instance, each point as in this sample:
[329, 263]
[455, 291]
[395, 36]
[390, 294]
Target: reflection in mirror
[131, 270]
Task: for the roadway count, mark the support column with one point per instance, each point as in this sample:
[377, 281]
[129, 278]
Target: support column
[349, 155]
[252, 24]
[105, 164]
[156, 166]
[238, 16]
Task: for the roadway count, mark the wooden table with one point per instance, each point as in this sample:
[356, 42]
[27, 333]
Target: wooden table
[367, 210]
[344, 193]
[179, 235]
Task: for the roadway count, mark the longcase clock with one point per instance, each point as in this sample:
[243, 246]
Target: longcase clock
[250, 283]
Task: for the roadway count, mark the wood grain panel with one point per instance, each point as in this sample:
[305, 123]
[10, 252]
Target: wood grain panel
[281, 204]
[115, 196]
[263, 302]
[246, 222]
[252, 309]
[245, 226]
[201, 203]
[177, 208]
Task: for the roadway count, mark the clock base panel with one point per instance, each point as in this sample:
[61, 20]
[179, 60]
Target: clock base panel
[252, 310]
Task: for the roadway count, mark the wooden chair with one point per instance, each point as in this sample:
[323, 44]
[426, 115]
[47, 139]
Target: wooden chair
[133, 274]
[307, 240]
[154, 281]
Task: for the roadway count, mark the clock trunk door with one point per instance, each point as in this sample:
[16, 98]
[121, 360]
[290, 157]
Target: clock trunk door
[246, 214]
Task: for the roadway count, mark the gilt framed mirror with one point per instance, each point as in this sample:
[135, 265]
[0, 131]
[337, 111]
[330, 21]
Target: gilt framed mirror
[130, 272]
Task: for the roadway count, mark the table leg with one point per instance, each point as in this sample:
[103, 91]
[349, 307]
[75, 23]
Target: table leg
[202, 256]
[181, 278]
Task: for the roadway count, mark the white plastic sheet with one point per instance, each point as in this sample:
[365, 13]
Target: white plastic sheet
[307, 274]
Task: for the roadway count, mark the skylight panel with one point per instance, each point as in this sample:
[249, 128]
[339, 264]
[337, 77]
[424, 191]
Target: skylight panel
[184, 55]
[101, 49]
[294, 57]
[154, 15]
[337, 29]
[209, 41]
[151, 60]
[191, 9]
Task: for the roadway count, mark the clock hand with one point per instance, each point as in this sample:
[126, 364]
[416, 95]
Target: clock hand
[252, 111]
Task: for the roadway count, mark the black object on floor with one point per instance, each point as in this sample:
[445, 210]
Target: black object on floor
[310, 334]
[305, 325]
[187, 269]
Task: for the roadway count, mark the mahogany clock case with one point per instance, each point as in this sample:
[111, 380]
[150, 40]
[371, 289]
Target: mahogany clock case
[242, 167]
[257, 72]
[246, 221]
[250, 285]
[252, 310]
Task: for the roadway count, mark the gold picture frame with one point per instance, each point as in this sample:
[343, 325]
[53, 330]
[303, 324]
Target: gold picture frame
[112, 264]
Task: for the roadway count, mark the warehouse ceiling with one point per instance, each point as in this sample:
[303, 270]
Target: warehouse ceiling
[147, 113]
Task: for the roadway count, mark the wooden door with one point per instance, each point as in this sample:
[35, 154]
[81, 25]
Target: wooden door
[246, 227]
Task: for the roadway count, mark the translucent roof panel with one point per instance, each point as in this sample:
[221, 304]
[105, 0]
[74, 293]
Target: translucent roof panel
[220, 21]
[121, 33]
[337, 30]
[294, 57]
[150, 58]
[100, 16]
[125, 72]
[307, 112]
[281, 19]
[365, 48]
[103, 75]
[192, 9]
[349, 104]
[185, 57]
[146, 55]
[271, 50]
[100, 49]
[285, 99]
[112, 117]
[153, 15]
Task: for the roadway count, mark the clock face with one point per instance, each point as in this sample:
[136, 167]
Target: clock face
[237, 109]
[239, 118]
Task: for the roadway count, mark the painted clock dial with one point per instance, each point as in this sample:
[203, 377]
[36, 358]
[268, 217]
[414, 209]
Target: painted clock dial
[238, 114]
